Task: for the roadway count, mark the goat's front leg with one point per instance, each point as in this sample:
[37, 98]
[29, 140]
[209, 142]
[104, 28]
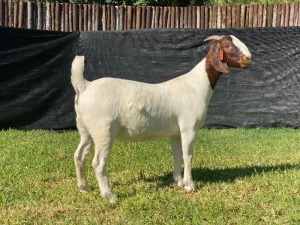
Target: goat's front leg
[187, 139]
[103, 147]
[177, 153]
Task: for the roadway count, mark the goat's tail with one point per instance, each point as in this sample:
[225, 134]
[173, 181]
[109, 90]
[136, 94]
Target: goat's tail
[77, 79]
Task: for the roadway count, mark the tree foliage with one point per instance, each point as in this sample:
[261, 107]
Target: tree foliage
[174, 2]
[145, 2]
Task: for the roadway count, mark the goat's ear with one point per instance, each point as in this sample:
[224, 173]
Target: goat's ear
[217, 58]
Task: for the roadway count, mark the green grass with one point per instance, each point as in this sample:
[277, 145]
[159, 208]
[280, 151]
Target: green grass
[242, 176]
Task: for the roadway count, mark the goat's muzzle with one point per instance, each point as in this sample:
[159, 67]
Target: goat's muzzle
[245, 61]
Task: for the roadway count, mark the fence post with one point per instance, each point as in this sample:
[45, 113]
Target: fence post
[255, 15]
[297, 14]
[292, 11]
[287, 14]
[29, 15]
[233, 16]
[143, 22]
[15, 23]
[1, 12]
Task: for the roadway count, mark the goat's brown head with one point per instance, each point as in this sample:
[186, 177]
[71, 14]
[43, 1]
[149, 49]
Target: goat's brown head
[228, 51]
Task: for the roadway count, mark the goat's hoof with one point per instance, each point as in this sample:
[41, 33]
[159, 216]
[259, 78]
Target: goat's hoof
[111, 197]
[84, 190]
[178, 182]
[189, 187]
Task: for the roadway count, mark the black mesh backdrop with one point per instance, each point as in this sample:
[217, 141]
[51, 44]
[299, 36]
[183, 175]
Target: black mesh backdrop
[35, 90]
[36, 93]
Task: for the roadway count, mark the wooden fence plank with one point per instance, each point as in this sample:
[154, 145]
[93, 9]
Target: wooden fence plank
[247, 9]
[185, 17]
[251, 12]
[159, 17]
[153, 17]
[138, 17]
[202, 17]
[228, 22]
[278, 15]
[238, 16]
[169, 17]
[213, 17]
[219, 17]
[292, 11]
[269, 15]
[181, 18]
[233, 16]
[177, 13]
[193, 18]
[255, 15]
[39, 16]
[1, 12]
[15, 15]
[260, 15]
[74, 8]
[297, 14]
[198, 14]
[224, 16]
[189, 16]
[9, 13]
[104, 18]
[5, 13]
[66, 17]
[93, 17]
[282, 15]
[97, 18]
[264, 20]
[113, 17]
[173, 17]
[143, 17]
[206, 17]
[129, 17]
[62, 17]
[29, 12]
[287, 15]
[57, 19]
[243, 15]
[70, 19]
[121, 17]
[52, 12]
[274, 16]
[147, 17]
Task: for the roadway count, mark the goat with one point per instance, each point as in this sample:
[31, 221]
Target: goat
[111, 108]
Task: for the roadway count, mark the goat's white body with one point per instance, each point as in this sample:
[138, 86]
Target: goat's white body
[109, 109]
[139, 111]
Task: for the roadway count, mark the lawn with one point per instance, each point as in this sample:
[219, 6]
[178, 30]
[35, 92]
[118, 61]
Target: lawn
[242, 176]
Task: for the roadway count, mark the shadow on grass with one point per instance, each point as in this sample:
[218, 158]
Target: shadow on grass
[227, 175]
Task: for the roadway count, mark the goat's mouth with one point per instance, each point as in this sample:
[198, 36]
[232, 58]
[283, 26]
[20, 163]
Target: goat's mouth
[246, 63]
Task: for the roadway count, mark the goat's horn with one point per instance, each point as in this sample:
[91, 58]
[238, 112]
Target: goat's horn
[214, 37]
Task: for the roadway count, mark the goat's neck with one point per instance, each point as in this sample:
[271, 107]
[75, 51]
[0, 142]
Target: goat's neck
[212, 74]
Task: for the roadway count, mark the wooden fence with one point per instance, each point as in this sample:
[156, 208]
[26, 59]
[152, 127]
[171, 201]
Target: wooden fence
[91, 17]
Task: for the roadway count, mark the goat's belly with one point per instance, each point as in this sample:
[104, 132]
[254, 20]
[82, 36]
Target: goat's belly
[144, 135]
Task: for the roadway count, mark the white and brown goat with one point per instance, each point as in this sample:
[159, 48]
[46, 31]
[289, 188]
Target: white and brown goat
[109, 109]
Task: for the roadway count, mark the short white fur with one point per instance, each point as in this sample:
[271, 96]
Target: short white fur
[109, 109]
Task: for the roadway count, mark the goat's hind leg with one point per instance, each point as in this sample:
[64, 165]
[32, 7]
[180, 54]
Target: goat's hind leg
[80, 156]
[103, 145]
